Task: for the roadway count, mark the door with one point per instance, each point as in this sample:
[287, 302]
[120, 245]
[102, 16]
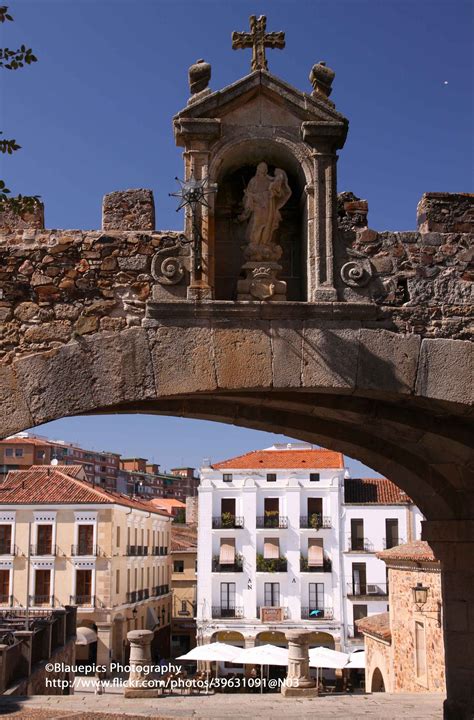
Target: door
[227, 599]
[85, 539]
[272, 594]
[359, 579]
[5, 539]
[42, 587]
[357, 534]
[315, 512]
[391, 533]
[45, 539]
[83, 587]
[316, 600]
[271, 512]
[358, 612]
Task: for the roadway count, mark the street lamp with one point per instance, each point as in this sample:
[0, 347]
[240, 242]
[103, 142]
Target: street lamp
[135, 613]
[193, 194]
[420, 595]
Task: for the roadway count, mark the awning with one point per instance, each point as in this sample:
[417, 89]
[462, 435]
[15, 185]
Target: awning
[271, 548]
[315, 552]
[227, 554]
[357, 661]
[85, 636]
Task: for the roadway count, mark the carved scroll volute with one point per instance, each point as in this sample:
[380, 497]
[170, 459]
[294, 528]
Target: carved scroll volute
[167, 265]
[358, 271]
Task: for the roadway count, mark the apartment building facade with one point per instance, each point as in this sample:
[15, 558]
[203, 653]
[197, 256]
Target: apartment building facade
[275, 548]
[65, 541]
[183, 587]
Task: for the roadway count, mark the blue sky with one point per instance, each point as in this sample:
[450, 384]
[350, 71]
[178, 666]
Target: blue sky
[94, 115]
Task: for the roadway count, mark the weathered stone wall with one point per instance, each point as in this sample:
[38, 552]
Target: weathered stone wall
[403, 615]
[36, 683]
[378, 654]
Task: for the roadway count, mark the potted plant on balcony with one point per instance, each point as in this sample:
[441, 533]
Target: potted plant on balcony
[227, 519]
[315, 521]
[271, 518]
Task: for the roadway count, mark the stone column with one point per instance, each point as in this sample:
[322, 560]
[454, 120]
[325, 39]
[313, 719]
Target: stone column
[321, 255]
[249, 642]
[140, 659]
[452, 542]
[104, 644]
[298, 682]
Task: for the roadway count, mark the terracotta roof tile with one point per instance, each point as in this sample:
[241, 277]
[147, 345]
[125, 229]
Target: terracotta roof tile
[61, 485]
[26, 441]
[368, 491]
[183, 538]
[418, 550]
[282, 459]
[378, 625]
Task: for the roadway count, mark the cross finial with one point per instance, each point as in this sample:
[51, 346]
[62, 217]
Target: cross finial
[258, 40]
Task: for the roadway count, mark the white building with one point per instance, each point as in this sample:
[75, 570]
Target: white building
[275, 550]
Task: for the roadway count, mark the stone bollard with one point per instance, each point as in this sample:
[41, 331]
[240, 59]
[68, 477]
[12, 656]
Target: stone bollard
[298, 682]
[140, 658]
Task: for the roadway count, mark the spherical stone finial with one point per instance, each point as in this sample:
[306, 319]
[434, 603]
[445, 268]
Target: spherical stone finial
[321, 78]
[199, 76]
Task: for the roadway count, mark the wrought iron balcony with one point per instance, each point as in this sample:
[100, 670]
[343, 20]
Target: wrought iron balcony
[6, 600]
[317, 613]
[222, 522]
[272, 521]
[7, 548]
[82, 600]
[365, 589]
[42, 550]
[47, 600]
[85, 549]
[357, 544]
[316, 521]
[392, 542]
[325, 567]
[236, 566]
[227, 612]
[160, 590]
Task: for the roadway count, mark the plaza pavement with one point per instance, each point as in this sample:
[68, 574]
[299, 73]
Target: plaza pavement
[85, 706]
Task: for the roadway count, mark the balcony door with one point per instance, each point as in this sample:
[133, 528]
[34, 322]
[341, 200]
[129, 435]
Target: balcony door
[315, 510]
[4, 586]
[316, 599]
[271, 512]
[357, 534]
[358, 612]
[227, 599]
[391, 533]
[44, 539]
[42, 587]
[5, 539]
[359, 579]
[85, 539]
[83, 587]
[272, 594]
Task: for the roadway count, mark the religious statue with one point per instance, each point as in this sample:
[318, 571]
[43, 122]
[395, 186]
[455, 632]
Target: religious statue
[264, 197]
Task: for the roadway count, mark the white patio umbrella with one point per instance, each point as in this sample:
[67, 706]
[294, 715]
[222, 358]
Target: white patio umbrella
[210, 652]
[322, 657]
[262, 655]
[356, 661]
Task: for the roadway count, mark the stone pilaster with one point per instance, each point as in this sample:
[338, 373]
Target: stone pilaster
[104, 643]
[140, 660]
[453, 544]
[298, 682]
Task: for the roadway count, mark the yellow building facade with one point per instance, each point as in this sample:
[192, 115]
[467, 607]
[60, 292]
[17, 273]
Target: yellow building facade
[184, 587]
[63, 541]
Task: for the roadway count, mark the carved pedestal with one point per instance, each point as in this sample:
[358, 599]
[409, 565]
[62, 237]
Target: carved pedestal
[261, 282]
[298, 682]
[140, 659]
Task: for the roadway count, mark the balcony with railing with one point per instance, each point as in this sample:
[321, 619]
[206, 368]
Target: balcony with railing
[391, 542]
[316, 521]
[270, 520]
[227, 612]
[159, 590]
[85, 549]
[8, 548]
[325, 567]
[236, 566]
[83, 600]
[364, 589]
[317, 613]
[41, 600]
[43, 550]
[271, 564]
[357, 544]
[226, 521]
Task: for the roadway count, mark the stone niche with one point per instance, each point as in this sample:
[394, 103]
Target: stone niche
[225, 136]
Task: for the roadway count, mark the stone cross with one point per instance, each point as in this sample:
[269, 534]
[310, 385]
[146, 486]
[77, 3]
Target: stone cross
[258, 40]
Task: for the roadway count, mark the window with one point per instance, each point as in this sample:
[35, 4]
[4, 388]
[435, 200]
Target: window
[118, 536]
[117, 581]
[271, 477]
[4, 586]
[316, 597]
[272, 594]
[83, 587]
[359, 612]
[357, 534]
[18, 452]
[42, 587]
[227, 477]
[85, 540]
[359, 579]
[40, 454]
[228, 599]
[5, 539]
[178, 566]
[420, 650]
[45, 539]
[314, 477]
[391, 533]
[9, 452]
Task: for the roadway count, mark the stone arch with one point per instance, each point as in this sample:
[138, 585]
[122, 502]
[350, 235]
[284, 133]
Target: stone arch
[232, 637]
[377, 681]
[271, 637]
[322, 639]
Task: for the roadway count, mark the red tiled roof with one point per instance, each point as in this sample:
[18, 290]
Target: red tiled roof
[183, 538]
[418, 550]
[282, 459]
[368, 491]
[26, 441]
[60, 485]
[167, 502]
[378, 625]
